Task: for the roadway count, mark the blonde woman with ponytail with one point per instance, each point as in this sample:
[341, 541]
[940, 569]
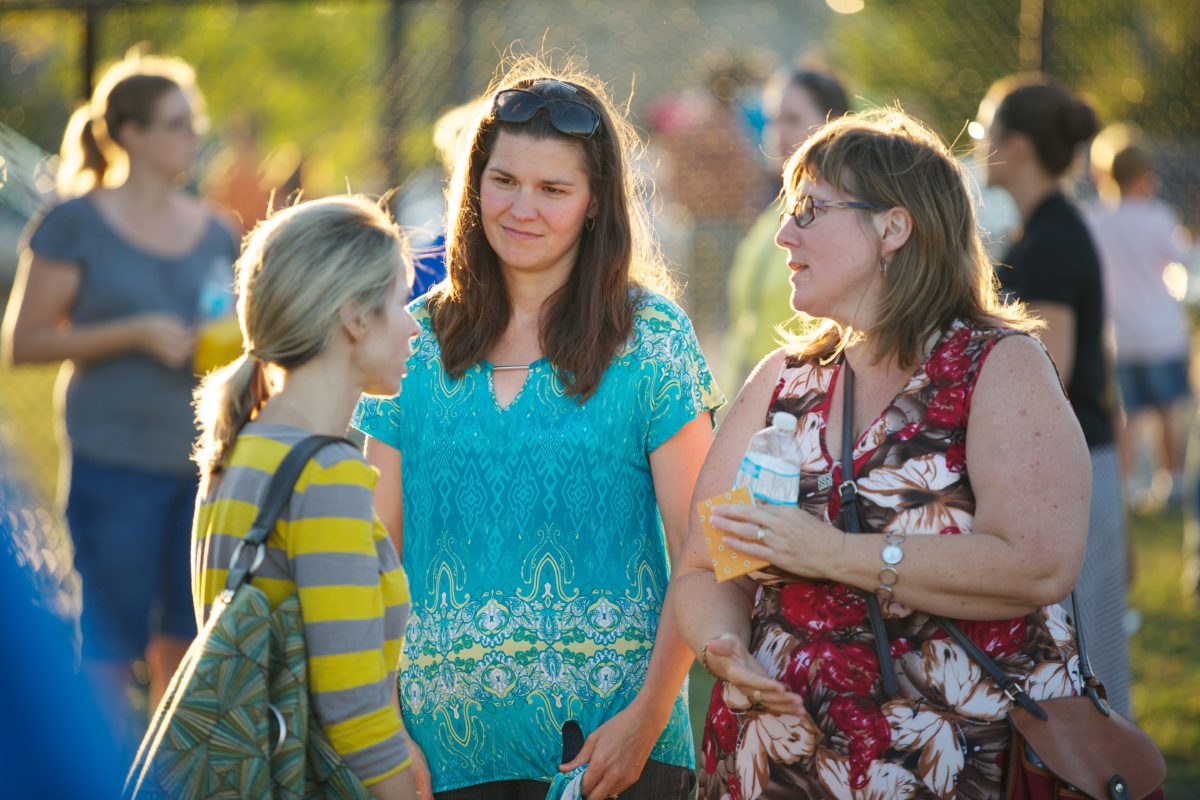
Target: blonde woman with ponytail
[322, 289]
[111, 284]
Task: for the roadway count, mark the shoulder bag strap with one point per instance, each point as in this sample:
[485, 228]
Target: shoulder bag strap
[1091, 686]
[852, 521]
[279, 490]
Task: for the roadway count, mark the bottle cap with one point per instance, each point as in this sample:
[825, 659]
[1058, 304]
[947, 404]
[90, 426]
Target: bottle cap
[784, 421]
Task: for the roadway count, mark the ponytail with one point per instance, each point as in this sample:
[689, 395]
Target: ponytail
[225, 401]
[128, 92]
[84, 163]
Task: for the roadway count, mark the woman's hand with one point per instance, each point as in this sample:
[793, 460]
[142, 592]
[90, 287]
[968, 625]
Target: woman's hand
[786, 536]
[728, 659]
[616, 752]
[165, 337]
[419, 769]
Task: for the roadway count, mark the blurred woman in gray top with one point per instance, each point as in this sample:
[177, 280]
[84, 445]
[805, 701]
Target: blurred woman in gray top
[113, 281]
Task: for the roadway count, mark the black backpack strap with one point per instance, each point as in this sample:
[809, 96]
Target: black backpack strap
[852, 522]
[279, 491]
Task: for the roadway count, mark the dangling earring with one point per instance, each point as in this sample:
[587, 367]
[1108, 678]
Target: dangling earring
[883, 265]
[589, 223]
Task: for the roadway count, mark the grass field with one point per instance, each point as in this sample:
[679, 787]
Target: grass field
[1166, 651]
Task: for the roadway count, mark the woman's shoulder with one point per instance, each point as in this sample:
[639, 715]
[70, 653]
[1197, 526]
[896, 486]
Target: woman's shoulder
[651, 307]
[263, 446]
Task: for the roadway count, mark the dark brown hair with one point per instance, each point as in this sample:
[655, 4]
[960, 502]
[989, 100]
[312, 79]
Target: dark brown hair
[1045, 111]
[825, 89]
[591, 316]
[942, 273]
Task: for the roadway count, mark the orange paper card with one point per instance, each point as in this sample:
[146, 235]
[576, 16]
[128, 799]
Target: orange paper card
[727, 562]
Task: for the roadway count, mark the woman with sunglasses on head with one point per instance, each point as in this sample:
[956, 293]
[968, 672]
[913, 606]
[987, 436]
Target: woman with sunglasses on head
[1034, 130]
[110, 283]
[554, 419]
[971, 495]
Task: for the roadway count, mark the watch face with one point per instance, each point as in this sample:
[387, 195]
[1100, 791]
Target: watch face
[892, 554]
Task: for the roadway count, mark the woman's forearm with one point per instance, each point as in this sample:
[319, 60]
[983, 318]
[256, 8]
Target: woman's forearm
[704, 609]
[669, 664]
[966, 576]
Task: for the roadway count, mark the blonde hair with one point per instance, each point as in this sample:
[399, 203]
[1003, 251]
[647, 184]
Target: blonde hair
[298, 270]
[129, 91]
[942, 273]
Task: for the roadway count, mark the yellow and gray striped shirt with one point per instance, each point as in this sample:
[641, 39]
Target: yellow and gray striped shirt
[329, 547]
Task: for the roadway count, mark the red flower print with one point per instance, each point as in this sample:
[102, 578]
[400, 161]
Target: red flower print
[900, 647]
[721, 727]
[908, 431]
[948, 407]
[852, 667]
[997, 638]
[796, 675]
[949, 364]
[868, 732]
[822, 607]
[950, 530]
[956, 457]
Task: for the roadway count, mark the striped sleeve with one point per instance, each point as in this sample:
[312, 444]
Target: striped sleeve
[338, 575]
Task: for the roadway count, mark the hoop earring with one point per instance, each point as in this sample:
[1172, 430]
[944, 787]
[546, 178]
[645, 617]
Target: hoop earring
[589, 224]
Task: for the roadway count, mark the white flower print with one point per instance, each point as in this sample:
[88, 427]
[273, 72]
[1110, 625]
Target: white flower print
[961, 682]
[927, 478]
[1052, 679]
[884, 781]
[782, 739]
[1057, 626]
[934, 736]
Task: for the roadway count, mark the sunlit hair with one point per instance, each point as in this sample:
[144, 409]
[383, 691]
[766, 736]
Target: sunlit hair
[591, 316]
[1037, 106]
[1120, 155]
[942, 273]
[299, 269]
[129, 91]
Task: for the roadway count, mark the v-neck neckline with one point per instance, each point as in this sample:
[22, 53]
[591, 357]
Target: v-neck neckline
[489, 370]
[913, 379]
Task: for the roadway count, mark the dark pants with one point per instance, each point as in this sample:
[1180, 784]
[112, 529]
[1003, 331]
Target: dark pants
[659, 781]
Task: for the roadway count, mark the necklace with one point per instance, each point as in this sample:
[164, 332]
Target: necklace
[509, 367]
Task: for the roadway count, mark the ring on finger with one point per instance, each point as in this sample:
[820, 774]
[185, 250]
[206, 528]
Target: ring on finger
[756, 696]
[760, 534]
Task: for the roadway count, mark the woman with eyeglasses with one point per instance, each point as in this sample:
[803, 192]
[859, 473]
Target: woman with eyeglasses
[111, 283]
[555, 416]
[929, 420]
[797, 103]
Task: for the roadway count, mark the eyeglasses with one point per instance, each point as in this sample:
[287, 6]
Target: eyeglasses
[807, 206]
[572, 117]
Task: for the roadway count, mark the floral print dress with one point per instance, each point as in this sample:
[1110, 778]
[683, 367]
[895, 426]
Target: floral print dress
[945, 734]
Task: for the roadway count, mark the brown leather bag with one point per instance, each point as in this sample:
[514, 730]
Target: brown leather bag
[1101, 756]
[1071, 747]
[1062, 749]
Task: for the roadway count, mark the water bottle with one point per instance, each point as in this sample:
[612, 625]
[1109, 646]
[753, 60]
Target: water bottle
[217, 298]
[771, 467]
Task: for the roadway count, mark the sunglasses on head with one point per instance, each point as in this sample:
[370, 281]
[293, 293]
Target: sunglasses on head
[570, 117]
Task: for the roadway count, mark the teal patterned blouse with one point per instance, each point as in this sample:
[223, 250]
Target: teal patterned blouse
[534, 548]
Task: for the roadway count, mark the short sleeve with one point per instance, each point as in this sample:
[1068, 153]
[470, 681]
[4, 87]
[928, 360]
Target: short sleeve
[59, 233]
[1049, 270]
[680, 385]
[379, 418]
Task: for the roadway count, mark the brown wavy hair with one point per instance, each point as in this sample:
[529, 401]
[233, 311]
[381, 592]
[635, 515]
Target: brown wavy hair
[586, 321]
[942, 273]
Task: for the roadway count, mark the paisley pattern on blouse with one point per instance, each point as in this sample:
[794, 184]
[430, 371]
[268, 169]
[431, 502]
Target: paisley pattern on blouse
[944, 735]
